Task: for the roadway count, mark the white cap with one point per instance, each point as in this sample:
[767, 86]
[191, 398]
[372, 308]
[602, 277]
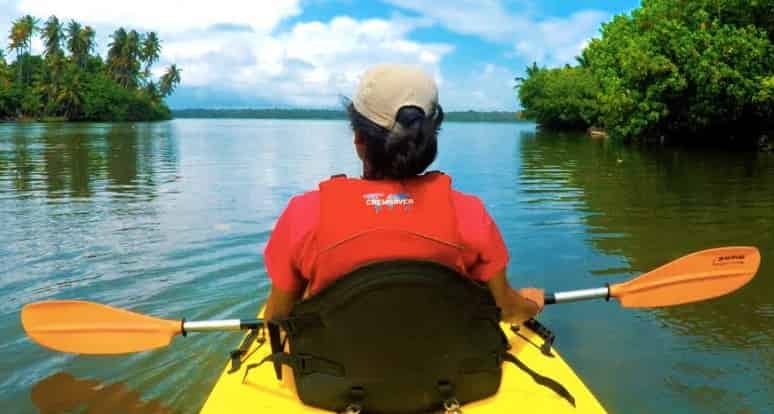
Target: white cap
[386, 88]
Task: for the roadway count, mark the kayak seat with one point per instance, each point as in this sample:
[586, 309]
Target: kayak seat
[394, 337]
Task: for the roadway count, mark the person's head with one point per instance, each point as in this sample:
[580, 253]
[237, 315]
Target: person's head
[396, 117]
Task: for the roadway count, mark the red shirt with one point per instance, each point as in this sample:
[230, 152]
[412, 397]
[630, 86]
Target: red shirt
[485, 253]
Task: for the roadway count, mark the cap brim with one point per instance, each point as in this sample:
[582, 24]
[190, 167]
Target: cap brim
[345, 101]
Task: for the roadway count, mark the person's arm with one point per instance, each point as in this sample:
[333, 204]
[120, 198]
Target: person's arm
[280, 303]
[516, 306]
[280, 255]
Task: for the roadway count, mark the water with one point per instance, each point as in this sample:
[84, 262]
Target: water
[170, 219]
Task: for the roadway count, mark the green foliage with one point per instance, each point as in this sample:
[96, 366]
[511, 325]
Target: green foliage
[559, 98]
[72, 83]
[107, 101]
[673, 67]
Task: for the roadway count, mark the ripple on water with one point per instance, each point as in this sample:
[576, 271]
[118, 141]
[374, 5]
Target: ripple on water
[170, 219]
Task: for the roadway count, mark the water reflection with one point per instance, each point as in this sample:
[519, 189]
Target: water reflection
[651, 205]
[81, 160]
[64, 393]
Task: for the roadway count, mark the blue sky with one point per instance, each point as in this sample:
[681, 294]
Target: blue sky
[305, 53]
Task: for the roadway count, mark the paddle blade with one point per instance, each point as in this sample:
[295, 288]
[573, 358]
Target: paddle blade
[702, 275]
[91, 328]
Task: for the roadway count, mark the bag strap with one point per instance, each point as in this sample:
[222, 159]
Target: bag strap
[294, 325]
[305, 364]
[540, 379]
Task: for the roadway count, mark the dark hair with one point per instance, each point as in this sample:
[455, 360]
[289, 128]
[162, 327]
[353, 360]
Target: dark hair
[404, 151]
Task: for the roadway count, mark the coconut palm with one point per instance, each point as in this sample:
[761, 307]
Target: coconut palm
[17, 43]
[53, 33]
[69, 97]
[22, 31]
[51, 79]
[29, 25]
[151, 48]
[133, 45]
[116, 47]
[80, 42]
[86, 40]
[133, 53]
[152, 90]
[169, 80]
[121, 58]
[5, 73]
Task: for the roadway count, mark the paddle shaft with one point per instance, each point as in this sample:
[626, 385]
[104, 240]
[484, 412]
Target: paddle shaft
[577, 295]
[221, 325]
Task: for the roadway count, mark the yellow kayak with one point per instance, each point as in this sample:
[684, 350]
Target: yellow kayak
[244, 385]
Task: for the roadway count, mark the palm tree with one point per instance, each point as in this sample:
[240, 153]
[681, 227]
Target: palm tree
[152, 90]
[74, 42]
[151, 48]
[30, 26]
[56, 65]
[86, 40]
[17, 43]
[5, 75]
[133, 45]
[52, 37]
[169, 80]
[133, 53]
[120, 61]
[22, 31]
[116, 47]
[70, 96]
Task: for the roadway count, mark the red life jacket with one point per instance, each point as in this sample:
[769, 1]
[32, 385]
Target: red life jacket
[367, 221]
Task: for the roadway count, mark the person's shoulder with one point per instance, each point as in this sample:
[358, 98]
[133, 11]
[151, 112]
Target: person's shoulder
[467, 201]
[301, 214]
[307, 200]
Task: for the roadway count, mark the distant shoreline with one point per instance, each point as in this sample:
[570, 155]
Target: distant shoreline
[333, 114]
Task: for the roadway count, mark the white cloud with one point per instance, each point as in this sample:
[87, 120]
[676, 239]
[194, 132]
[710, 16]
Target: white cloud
[169, 16]
[550, 41]
[486, 87]
[486, 18]
[556, 41]
[309, 65]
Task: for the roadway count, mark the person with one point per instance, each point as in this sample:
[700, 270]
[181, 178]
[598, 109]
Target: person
[395, 211]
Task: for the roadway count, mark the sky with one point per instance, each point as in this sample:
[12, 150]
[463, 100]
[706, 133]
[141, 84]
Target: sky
[307, 53]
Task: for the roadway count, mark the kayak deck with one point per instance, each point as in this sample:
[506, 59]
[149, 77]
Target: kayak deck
[258, 389]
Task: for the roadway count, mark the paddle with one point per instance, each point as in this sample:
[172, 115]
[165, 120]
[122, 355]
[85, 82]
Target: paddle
[91, 328]
[698, 276]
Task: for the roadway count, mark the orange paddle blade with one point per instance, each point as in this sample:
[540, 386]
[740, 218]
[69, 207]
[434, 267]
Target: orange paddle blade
[91, 328]
[698, 276]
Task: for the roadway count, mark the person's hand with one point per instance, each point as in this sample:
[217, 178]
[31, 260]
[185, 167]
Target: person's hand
[535, 297]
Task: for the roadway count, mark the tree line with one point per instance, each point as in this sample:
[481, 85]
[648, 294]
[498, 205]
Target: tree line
[695, 70]
[69, 81]
[337, 114]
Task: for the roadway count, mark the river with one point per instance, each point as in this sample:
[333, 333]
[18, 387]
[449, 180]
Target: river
[171, 218]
